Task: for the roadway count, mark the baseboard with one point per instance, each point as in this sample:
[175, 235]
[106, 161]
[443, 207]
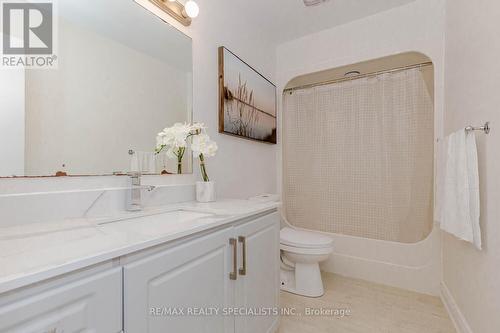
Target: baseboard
[456, 315]
[276, 326]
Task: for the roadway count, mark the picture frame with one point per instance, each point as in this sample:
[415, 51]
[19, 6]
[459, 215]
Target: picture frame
[247, 100]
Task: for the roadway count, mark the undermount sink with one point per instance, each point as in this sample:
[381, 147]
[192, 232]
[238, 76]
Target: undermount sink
[172, 215]
[152, 220]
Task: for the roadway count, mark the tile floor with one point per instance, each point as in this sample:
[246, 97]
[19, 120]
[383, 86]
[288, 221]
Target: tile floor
[374, 309]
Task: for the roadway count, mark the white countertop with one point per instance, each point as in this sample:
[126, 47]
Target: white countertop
[39, 251]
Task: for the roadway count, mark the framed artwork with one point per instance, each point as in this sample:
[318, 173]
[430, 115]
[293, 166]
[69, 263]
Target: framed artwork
[247, 100]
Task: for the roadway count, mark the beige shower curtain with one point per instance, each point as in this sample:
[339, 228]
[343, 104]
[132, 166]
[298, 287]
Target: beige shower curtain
[358, 157]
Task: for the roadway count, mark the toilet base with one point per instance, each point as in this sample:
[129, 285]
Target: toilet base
[303, 280]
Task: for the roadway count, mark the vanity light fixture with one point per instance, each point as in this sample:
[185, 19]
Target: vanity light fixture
[191, 8]
[182, 12]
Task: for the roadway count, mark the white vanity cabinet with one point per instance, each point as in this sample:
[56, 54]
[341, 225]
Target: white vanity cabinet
[257, 286]
[82, 302]
[220, 280]
[232, 269]
[160, 288]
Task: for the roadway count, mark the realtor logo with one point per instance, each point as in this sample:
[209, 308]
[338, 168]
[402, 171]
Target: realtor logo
[28, 34]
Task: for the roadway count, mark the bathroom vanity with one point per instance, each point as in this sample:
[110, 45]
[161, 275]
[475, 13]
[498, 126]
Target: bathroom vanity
[179, 268]
[72, 258]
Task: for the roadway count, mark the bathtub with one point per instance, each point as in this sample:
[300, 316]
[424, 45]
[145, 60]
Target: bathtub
[415, 267]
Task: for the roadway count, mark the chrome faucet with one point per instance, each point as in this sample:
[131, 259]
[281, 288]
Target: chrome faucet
[134, 197]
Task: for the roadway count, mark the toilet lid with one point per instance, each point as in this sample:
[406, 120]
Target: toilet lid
[304, 239]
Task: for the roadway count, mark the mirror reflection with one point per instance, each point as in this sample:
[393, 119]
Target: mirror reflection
[122, 76]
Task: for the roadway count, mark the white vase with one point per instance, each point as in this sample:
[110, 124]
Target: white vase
[205, 191]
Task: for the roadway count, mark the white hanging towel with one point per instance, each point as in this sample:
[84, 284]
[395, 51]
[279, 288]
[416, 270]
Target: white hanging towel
[150, 163]
[144, 162]
[134, 163]
[460, 203]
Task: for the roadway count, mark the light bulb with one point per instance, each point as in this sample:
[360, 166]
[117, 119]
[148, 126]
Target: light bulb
[192, 9]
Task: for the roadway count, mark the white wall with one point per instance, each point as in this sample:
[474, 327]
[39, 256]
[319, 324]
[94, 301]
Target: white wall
[12, 122]
[471, 277]
[241, 168]
[418, 26]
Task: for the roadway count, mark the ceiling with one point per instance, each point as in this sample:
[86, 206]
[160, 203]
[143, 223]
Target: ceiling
[289, 19]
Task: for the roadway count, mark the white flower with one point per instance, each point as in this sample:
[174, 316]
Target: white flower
[173, 137]
[203, 145]
[211, 149]
[198, 128]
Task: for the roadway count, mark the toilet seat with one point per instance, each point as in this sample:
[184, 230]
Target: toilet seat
[292, 238]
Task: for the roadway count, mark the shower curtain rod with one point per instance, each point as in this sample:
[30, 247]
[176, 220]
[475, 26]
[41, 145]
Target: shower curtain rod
[361, 76]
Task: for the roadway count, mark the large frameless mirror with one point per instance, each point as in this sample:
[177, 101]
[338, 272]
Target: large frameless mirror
[122, 76]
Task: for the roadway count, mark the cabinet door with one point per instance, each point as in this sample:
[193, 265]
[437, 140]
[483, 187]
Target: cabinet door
[258, 288]
[90, 304]
[160, 290]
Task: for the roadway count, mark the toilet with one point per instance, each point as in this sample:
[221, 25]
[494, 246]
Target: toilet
[301, 253]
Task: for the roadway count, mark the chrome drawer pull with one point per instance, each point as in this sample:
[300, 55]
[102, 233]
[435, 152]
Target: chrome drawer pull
[243, 241]
[234, 274]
